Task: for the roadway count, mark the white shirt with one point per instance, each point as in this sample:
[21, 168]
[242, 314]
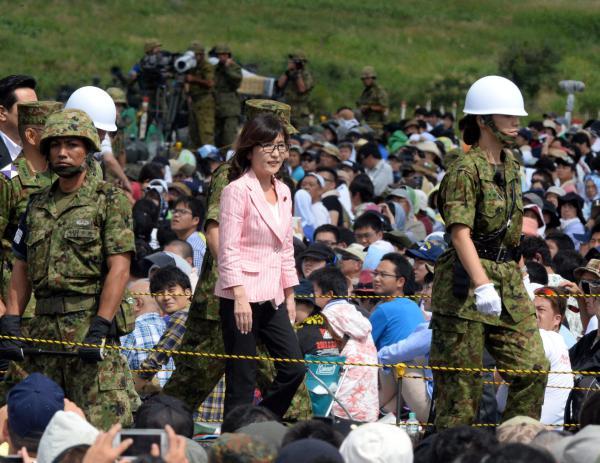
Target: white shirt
[381, 175]
[13, 148]
[321, 214]
[275, 210]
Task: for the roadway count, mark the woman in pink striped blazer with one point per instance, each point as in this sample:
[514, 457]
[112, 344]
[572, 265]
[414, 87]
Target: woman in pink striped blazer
[256, 266]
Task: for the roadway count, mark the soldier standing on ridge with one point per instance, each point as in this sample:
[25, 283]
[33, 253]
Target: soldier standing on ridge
[373, 102]
[228, 78]
[478, 297]
[297, 83]
[200, 81]
[73, 249]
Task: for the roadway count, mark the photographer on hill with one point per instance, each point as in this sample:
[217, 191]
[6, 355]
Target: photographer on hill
[296, 83]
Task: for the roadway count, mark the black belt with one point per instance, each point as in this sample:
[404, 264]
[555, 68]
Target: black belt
[497, 253]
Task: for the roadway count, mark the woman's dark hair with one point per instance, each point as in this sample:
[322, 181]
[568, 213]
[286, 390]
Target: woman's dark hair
[566, 261]
[264, 128]
[145, 218]
[537, 272]
[151, 171]
[563, 242]
[363, 186]
[470, 129]
[243, 415]
[315, 429]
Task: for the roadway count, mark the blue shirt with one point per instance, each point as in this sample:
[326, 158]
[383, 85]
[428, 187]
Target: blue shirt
[199, 247]
[149, 328]
[393, 321]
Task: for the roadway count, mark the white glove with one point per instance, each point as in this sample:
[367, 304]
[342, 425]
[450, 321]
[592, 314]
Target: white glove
[487, 300]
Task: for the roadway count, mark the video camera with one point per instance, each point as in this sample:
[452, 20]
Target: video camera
[185, 62]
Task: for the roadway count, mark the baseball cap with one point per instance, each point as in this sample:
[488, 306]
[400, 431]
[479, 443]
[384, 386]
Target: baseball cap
[365, 282]
[429, 251]
[534, 198]
[32, 403]
[558, 191]
[209, 152]
[164, 259]
[318, 251]
[303, 289]
[355, 252]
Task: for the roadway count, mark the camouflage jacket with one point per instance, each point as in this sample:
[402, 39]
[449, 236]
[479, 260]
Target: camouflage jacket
[14, 194]
[373, 95]
[291, 94]
[205, 71]
[227, 80]
[66, 252]
[205, 305]
[470, 196]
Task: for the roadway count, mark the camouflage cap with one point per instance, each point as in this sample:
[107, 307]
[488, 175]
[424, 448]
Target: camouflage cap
[297, 55]
[196, 47]
[36, 112]
[150, 44]
[222, 48]
[368, 71]
[242, 449]
[281, 110]
[69, 123]
[117, 94]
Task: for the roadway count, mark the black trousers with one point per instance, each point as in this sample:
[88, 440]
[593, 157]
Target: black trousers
[273, 328]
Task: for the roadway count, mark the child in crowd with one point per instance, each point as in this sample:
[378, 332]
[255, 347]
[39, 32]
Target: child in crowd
[173, 294]
[352, 332]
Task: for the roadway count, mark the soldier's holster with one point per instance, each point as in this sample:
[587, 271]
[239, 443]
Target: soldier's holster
[65, 304]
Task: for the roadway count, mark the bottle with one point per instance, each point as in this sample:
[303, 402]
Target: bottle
[143, 116]
[412, 427]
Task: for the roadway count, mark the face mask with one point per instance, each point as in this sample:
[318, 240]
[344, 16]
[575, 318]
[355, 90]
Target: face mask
[69, 171]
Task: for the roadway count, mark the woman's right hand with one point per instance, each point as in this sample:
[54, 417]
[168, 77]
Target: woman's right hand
[243, 314]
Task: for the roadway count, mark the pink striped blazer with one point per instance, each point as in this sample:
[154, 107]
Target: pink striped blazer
[255, 250]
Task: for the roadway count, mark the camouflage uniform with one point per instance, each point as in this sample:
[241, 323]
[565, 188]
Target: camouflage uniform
[117, 139]
[241, 448]
[14, 192]
[66, 251]
[228, 109]
[300, 102]
[470, 196]
[373, 95]
[202, 108]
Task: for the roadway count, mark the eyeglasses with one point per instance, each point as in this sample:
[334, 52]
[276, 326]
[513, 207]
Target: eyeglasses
[269, 148]
[376, 274]
[181, 211]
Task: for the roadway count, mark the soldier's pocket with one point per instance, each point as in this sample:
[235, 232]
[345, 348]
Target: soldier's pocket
[448, 337]
[38, 248]
[85, 246]
[111, 373]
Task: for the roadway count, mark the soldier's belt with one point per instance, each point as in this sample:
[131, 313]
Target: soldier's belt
[65, 304]
[497, 253]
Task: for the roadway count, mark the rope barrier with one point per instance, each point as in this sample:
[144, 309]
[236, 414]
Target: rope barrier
[372, 296]
[302, 361]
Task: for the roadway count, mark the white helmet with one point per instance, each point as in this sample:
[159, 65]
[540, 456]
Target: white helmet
[494, 95]
[97, 104]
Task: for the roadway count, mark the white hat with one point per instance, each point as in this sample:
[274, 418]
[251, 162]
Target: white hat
[97, 104]
[377, 443]
[494, 95]
[65, 430]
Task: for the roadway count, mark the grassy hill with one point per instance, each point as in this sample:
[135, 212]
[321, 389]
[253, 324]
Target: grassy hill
[409, 43]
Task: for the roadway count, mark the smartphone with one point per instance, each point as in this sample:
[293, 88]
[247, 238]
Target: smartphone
[585, 286]
[142, 441]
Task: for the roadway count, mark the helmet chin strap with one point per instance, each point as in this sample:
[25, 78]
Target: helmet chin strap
[70, 171]
[506, 140]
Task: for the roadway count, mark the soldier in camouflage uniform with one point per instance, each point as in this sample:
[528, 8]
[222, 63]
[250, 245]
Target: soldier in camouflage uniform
[228, 78]
[195, 377]
[200, 81]
[73, 249]
[479, 299]
[30, 173]
[373, 102]
[117, 138]
[297, 83]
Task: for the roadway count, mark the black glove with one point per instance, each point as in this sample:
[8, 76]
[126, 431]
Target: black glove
[97, 334]
[10, 325]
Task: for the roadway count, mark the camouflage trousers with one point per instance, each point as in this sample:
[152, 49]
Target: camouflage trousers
[103, 390]
[459, 342]
[226, 129]
[202, 121]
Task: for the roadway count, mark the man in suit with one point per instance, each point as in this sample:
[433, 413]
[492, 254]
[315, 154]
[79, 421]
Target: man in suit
[13, 89]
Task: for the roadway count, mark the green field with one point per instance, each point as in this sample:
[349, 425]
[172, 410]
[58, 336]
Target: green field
[409, 43]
